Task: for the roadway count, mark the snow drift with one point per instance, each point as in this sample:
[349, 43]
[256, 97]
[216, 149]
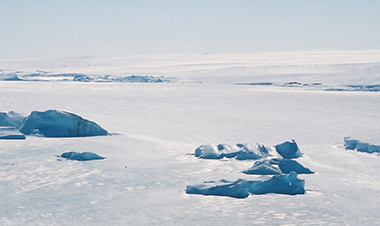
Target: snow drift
[56, 123]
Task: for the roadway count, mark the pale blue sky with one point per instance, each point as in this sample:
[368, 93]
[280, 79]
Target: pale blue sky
[63, 28]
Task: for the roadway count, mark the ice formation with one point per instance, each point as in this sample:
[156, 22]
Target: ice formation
[263, 168]
[11, 118]
[288, 165]
[280, 184]
[56, 123]
[361, 146]
[240, 151]
[84, 156]
[10, 132]
[288, 150]
[236, 189]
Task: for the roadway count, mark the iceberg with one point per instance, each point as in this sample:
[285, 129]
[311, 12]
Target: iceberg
[288, 165]
[11, 118]
[263, 168]
[280, 184]
[10, 132]
[352, 144]
[57, 123]
[84, 156]
[240, 151]
[288, 150]
[208, 152]
[236, 189]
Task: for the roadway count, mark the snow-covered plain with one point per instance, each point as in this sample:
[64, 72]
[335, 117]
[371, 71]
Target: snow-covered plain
[156, 128]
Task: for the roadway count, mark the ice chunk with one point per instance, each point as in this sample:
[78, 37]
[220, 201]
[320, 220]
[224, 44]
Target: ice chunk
[236, 189]
[263, 168]
[11, 118]
[288, 150]
[251, 151]
[350, 143]
[288, 165]
[56, 123]
[84, 156]
[362, 146]
[280, 184]
[208, 152]
[10, 132]
[373, 148]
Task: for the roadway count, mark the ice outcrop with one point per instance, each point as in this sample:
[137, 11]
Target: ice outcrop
[288, 150]
[361, 146]
[288, 165]
[10, 132]
[263, 168]
[57, 123]
[11, 118]
[236, 189]
[280, 184]
[84, 156]
[240, 151]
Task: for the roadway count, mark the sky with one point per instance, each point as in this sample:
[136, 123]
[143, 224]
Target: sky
[71, 28]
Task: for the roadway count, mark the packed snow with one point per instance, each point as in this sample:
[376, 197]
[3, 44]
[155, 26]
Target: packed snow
[150, 160]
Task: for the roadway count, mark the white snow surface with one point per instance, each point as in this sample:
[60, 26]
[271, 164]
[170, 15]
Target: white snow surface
[156, 128]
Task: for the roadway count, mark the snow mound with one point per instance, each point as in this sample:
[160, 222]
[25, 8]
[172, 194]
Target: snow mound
[236, 189]
[84, 156]
[11, 118]
[56, 123]
[288, 150]
[10, 132]
[263, 168]
[352, 144]
[280, 184]
[240, 151]
[288, 165]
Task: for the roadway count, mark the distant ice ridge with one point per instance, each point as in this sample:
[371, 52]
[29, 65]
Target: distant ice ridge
[44, 76]
[352, 144]
[84, 156]
[281, 184]
[57, 123]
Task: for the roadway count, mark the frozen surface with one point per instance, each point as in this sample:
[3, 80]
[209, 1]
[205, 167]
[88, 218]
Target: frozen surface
[58, 123]
[84, 156]
[10, 132]
[149, 164]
